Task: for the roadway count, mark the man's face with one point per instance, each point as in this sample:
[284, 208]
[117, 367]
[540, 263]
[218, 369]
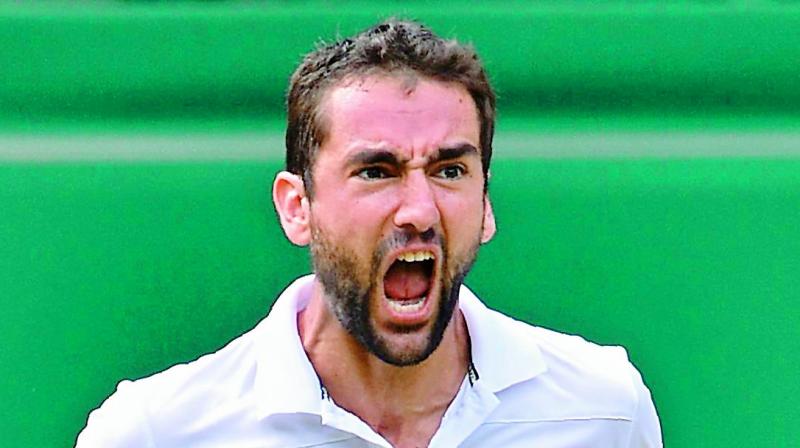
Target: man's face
[398, 211]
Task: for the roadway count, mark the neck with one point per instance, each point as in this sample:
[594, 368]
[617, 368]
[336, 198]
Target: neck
[400, 403]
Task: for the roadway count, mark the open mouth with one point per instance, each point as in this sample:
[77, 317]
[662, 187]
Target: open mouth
[408, 281]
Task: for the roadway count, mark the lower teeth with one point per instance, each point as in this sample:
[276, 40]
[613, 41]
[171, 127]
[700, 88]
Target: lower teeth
[407, 306]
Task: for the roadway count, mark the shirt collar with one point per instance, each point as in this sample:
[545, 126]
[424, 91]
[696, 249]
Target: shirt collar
[504, 352]
[285, 380]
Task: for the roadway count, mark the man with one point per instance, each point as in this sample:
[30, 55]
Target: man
[388, 148]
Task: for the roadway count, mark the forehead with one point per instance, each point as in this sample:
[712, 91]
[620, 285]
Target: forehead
[398, 112]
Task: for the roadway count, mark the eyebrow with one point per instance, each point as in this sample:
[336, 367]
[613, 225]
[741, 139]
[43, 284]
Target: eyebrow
[454, 152]
[373, 157]
[382, 156]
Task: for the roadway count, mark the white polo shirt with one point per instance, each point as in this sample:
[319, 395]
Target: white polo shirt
[533, 388]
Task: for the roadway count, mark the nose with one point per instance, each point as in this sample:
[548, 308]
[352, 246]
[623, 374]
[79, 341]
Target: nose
[418, 208]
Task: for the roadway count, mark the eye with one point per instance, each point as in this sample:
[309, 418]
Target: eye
[451, 172]
[373, 173]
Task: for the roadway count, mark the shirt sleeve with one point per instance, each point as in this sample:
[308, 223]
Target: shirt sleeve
[118, 423]
[646, 429]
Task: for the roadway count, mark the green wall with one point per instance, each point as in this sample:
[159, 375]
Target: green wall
[111, 62]
[646, 184]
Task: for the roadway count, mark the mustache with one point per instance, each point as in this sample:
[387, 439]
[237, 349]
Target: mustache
[403, 237]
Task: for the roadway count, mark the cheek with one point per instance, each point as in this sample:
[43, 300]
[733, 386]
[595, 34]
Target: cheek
[463, 226]
[359, 221]
[462, 213]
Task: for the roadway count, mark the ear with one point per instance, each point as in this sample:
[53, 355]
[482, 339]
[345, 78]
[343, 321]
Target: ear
[489, 225]
[291, 203]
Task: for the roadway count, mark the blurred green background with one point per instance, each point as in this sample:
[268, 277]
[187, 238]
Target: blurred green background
[646, 184]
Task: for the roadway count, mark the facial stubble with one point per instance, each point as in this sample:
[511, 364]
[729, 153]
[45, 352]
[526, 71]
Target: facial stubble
[350, 287]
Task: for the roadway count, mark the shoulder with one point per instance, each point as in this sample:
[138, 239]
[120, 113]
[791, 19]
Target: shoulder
[135, 413]
[219, 396]
[568, 355]
[551, 383]
[595, 378]
[581, 382]
[550, 364]
[531, 352]
[600, 383]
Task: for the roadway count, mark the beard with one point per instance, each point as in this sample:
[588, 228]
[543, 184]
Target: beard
[351, 285]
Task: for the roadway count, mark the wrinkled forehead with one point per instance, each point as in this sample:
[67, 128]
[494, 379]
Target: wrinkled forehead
[402, 103]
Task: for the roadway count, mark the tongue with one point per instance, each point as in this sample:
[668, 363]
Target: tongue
[405, 281]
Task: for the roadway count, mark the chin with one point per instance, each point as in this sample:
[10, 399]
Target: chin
[404, 346]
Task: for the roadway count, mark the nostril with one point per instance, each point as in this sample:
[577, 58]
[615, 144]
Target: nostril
[427, 236]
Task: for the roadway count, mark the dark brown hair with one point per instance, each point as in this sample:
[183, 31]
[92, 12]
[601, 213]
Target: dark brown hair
[391, 47]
